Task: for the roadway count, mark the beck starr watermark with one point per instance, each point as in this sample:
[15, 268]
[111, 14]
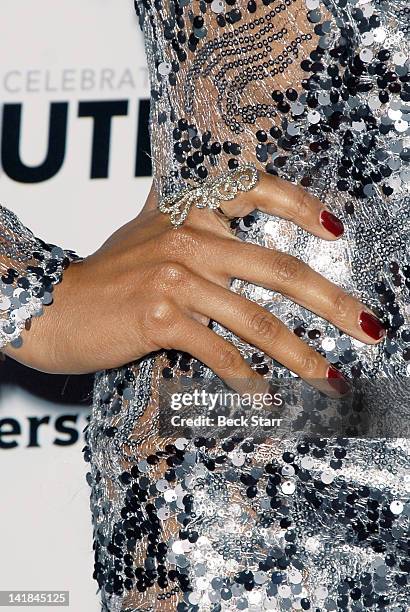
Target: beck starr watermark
[225, 421]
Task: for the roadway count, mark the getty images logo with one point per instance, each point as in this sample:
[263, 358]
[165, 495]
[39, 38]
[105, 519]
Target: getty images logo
[102, 113]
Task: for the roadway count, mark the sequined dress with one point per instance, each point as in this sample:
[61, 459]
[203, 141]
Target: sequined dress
[316, 92]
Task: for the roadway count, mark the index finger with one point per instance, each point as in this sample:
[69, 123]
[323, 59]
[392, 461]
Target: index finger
[276, 196]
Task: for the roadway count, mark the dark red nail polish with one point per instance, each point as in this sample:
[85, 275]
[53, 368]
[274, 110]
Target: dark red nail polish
[331, 223]
[337, 381]
[371, 325]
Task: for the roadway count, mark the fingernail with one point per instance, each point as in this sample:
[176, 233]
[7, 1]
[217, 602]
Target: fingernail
[331, 223]
[337, 381]
[371, 325]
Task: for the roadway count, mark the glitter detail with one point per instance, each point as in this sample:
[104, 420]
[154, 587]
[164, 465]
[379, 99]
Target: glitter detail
[316, 92]
[211, 194]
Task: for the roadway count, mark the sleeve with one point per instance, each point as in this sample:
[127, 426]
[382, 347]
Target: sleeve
[224, 78]
[29, 269]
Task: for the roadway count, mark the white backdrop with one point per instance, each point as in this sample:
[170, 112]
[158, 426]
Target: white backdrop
[71, 52]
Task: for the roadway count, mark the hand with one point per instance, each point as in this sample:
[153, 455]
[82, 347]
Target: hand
[152, 287]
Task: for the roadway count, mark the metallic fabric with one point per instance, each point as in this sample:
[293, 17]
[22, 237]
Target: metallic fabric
[29, 269]
[316, 92]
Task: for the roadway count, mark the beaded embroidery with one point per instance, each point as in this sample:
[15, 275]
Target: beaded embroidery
[30, 269]
[317, 92]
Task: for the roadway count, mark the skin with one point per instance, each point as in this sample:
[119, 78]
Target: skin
[151, 286]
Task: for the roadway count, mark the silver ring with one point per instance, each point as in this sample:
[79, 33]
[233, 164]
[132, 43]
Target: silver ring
[210, 193]
[224, 215]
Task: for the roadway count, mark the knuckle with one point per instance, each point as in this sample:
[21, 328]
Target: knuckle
[183, 241]
[172, 274]
[228, 359]
[252, 385]
[161, 315]
[340, 306]
[287, 269]
[264, 324]
[301, 203]
[309, 364]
